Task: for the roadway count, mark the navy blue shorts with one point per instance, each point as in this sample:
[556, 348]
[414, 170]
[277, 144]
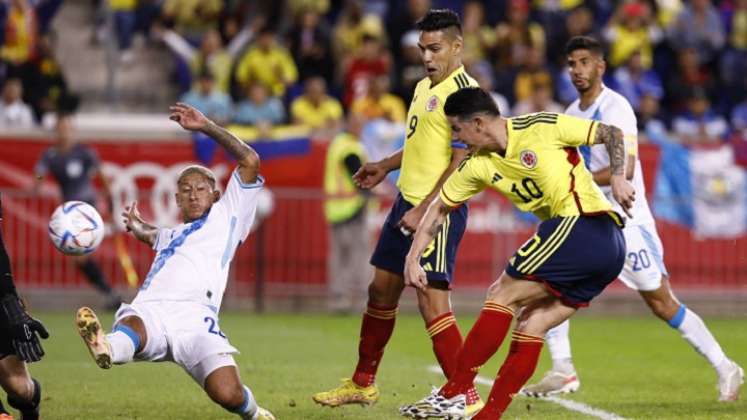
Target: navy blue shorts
[575, 257]
[438, 258]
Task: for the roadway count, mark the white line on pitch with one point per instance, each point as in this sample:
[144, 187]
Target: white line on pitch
[569, 404]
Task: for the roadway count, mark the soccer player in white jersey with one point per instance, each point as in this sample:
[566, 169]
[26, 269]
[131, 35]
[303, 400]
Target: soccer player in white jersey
[644, 269]
[174, 316]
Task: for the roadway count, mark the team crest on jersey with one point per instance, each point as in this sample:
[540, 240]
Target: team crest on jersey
[432, 103]
[528, 158]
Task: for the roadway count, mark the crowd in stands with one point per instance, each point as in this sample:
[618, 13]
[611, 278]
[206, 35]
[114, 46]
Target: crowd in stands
[681, 63]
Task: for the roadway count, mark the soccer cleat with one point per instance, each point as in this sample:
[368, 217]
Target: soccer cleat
[552, 383]
[472, 409]
[439, 407]
[90, 331]
[729, 384]
[348, 393]
[263, 414]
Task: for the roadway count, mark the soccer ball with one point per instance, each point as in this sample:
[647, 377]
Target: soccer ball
[76, 228]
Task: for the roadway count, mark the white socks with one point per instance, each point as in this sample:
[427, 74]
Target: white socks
[122, 346]
[559, 344]
[248, 410]
[695, 332]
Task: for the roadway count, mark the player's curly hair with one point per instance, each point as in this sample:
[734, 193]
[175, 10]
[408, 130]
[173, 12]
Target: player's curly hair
[584, 43]
[467, 102]
[439, 19]
[197, 169]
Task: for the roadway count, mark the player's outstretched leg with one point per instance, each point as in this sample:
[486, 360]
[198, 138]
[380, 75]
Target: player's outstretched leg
[224, 387]
[117, 347]
[692, 328]
[562, 378]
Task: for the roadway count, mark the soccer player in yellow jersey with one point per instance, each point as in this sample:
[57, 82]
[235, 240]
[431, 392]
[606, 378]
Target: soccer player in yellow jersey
[428, 157]
[578, 249]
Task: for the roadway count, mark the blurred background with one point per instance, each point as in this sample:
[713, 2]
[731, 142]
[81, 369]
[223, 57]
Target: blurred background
[288, 76]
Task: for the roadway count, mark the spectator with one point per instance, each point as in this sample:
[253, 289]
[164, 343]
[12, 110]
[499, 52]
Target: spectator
[552, 15]
[699, 124]
[123, 12]
[47, 91]
[192, 18]
[379, 103]
[209, 100]
[518, 35]
[317, 110]
[484, 77]
[733, 64]
[478, 37]
[296, 7]
[411, 69]
[632, 29]
[698, 26]
[739, 118]
[532, 73]
[402, 18]
[259, 108]
[210, 55]
[345, 211]
[651, 128]
[580, 22]
[539, 100]
[690, 74]
[309, 45]
[633, 81]
[667, 11]
[21, 33]
[351, 26]
[268, 63]
[14, 113]
[370, 62]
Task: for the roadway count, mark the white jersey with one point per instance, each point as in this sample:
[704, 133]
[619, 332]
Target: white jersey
[612, 108]
[192, 260]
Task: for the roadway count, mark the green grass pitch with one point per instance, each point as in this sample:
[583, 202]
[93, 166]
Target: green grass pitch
[635, 368]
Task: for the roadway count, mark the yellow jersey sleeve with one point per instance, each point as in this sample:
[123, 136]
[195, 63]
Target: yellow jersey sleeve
[464, 183]
[574, 131]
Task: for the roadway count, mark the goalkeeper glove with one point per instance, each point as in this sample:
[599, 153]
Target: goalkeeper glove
[22, 329]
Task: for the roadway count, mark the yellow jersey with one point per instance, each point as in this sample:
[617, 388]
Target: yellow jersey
[304, 112]
[428, 139]
[542, 170]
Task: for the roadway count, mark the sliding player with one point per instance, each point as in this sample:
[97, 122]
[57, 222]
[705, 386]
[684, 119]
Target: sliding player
[174, 316]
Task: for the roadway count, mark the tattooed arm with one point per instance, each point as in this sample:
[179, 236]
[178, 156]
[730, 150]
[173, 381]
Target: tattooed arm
[192, 119]
[428, 228]
[612, 138]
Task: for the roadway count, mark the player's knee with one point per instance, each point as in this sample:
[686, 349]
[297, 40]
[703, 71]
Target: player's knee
[385, 291]
[18, 387]
[228, 397]
[496, 292]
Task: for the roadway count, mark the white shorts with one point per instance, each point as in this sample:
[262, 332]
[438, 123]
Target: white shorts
[185, 333]
[644, 258]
